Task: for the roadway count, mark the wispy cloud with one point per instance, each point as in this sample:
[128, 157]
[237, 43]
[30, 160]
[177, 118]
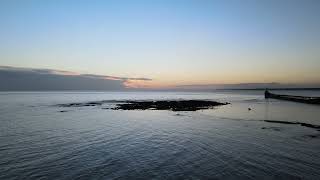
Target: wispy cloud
[115, 77]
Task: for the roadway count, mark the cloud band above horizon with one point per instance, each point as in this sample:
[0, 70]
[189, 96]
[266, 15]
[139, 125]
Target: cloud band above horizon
[30, 79]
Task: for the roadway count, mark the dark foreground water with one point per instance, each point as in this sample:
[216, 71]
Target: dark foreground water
[37, 141]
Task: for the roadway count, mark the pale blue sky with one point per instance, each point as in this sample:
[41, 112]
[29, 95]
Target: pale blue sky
[173, 42]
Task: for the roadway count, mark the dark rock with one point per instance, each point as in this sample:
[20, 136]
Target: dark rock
[298, 123]
[312, 136]
[310, 125]
[272, 128]
[81, 104]
[301, 99]
[86, 104]
[178, 114]
[280, 122]
[183, 105]
[179, 105]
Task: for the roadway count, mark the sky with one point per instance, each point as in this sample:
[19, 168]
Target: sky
[165, 43]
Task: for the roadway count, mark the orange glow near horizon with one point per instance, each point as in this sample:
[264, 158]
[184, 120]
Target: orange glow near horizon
[150, 84]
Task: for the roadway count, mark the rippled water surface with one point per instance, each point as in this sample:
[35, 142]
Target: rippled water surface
[39, 140]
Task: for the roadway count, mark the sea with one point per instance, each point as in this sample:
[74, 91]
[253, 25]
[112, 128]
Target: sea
[250, 138]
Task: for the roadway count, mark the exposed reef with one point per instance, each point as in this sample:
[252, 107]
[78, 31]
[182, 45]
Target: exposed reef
[272, 128]
[297, 123]
[313, 136]
[181, 105]
[301, 99]
[62, 111]
[173, 105]
[83, 104]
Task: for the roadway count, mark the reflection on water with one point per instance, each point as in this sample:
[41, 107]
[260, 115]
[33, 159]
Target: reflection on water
[266, 111]
[39, 141]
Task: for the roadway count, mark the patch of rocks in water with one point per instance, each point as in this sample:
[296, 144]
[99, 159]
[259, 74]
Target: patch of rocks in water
[296, 123]
[62, 111]
[80, 104]
[173, 105]
[272, 128]
[181, 105]
[84, 104]
[313, 135]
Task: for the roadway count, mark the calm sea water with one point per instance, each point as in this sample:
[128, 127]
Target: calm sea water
[37, 141]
